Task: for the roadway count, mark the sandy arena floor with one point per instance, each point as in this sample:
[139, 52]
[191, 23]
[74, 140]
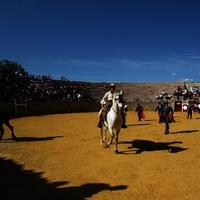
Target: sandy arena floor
[60, 157]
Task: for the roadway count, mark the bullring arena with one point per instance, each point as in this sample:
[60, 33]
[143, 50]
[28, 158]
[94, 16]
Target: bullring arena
[59, 156]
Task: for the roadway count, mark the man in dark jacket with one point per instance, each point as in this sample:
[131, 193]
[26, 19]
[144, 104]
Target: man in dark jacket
[139, 110]
[159, 109]
[190, 108]
[167, 114]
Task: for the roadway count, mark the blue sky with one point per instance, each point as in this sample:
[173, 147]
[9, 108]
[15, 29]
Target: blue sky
[103, 40]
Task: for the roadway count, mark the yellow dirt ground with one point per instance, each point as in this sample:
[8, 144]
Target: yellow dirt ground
[60, 157]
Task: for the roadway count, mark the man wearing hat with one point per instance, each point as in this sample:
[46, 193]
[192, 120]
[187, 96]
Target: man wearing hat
[107, 98]
[167, 113]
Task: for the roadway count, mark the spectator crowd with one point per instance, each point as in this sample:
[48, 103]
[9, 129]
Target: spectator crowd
[27, 87]
[191, 94]
[163, 96]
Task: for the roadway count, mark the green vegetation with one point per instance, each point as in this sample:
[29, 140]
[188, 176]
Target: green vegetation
[6, 65]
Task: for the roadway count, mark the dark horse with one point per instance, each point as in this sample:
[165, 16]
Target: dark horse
[4, 119]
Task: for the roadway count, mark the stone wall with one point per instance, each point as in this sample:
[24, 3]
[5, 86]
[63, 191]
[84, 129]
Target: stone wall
[46, 108]
[131, 91]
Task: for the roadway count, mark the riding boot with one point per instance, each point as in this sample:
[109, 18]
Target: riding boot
[99, 125]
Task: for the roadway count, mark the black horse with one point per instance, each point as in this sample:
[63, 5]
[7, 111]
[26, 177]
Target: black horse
[4, 119]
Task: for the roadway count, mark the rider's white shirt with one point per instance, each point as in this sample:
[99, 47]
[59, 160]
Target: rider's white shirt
[108, 96]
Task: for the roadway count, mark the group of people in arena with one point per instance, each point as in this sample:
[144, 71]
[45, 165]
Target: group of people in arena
[165, 111]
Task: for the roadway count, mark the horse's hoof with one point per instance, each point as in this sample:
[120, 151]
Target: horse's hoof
[116, 151]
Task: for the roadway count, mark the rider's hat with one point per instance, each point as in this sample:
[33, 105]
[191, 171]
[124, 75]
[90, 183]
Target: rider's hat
[112, 85]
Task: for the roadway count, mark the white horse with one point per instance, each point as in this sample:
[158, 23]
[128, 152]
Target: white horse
[113, 121]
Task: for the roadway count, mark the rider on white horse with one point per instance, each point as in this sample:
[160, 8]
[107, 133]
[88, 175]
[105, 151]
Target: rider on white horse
[107, 103]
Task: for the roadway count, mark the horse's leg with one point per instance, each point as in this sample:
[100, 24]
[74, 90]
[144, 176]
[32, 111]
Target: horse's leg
[101, 135]
[104, 137]
[11, 128]
[116, 141]
[2, 132]
[112, 136]
[103, 131]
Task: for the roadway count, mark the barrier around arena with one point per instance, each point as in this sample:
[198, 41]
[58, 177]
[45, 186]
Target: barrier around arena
[37, 108]
[20, 108]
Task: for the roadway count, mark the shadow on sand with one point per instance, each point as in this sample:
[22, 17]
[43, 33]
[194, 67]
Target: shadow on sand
[185, 131]
[17, 183]
[31, 139]
[150, 120]
[139, 124]
[147, 145]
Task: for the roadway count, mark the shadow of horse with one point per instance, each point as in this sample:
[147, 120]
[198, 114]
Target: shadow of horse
[17, 183]
[150, 120]
[185, 131]
[138, 124]
[32, 139]
[147, 145]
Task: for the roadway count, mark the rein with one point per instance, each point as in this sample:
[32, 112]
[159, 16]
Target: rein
[114, 109]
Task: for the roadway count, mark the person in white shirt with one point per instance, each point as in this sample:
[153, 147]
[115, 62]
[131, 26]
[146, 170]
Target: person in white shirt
[107, 103]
